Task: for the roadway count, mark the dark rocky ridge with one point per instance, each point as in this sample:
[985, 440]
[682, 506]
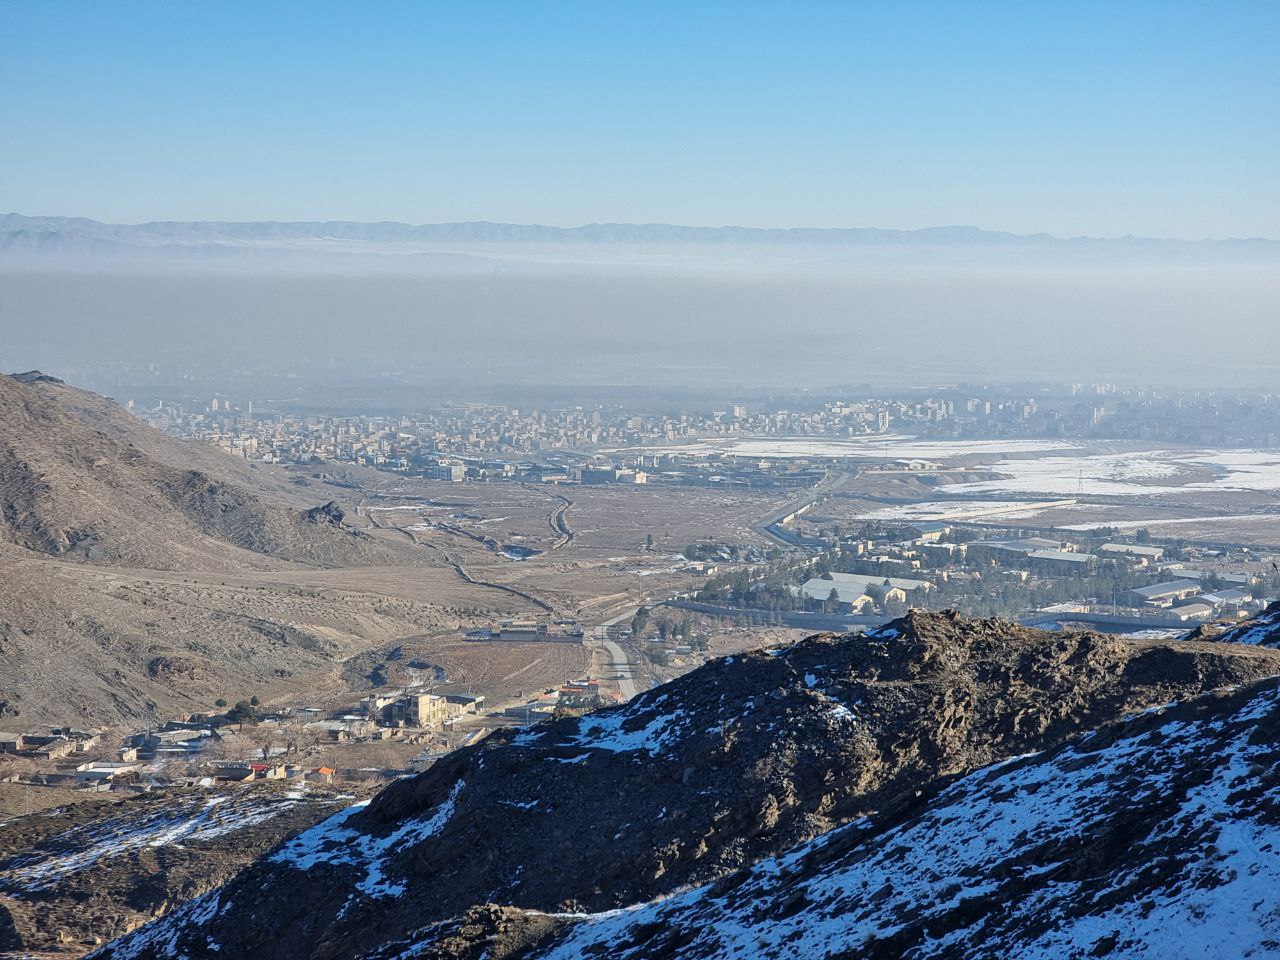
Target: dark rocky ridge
[740, 760]
[1263, 631]
[1156, 836]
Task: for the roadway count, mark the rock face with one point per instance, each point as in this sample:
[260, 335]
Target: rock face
[329, 513]
[739, 761]
[1154, 837]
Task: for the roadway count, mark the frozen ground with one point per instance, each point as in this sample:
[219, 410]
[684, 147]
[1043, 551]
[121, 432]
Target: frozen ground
[1134, 474]
[1155, 841]
[1177, 521]
[189, 820]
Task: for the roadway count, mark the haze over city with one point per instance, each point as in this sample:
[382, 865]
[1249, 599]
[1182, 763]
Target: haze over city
[1148, 120]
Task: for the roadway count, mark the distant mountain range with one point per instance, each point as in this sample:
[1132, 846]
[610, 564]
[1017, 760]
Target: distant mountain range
[77, 239]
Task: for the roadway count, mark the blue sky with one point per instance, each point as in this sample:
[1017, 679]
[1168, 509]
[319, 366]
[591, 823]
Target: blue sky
[1072, 118]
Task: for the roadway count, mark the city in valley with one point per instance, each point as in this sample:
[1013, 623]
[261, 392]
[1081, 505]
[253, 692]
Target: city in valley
[541, 562]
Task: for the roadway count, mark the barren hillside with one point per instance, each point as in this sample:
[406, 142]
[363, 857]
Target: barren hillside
[81, 479]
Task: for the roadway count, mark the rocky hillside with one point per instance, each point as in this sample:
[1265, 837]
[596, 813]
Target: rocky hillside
[1154, 837]
[77, 876]
[81, 479]
[737, 762]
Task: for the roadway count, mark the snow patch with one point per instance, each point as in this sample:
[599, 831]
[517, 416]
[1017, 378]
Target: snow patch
[336, 843]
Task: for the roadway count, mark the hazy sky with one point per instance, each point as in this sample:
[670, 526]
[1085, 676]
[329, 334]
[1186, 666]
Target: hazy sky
[1157, 118]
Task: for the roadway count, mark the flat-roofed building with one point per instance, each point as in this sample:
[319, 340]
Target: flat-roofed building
[1163, 594]
[1134, 551]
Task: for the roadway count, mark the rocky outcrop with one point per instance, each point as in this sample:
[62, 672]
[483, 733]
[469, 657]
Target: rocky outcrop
[1262, 631]
[329, 513]
[739, 761]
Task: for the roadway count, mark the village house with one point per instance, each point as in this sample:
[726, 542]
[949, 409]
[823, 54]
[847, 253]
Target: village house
[420, 710]
[103, 771]
[49, 748]
[460, 703]
[268, 771]
[232, 773]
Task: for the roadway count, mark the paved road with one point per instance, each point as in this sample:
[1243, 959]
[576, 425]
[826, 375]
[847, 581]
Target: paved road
[828, 484]
[621, 662]
[622, 667]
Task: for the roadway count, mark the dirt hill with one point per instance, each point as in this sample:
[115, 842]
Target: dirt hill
[82, 479]
[99, 510]
[741, 760]
[88, 645]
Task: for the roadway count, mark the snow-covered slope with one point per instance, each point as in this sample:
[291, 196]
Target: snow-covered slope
[1159, 837]
[734, 763]
[92, 870]
[1262, 631]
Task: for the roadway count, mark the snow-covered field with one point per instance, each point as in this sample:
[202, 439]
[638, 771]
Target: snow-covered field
[1134, 474]
[1156, 522]
[951, 510]
[879, 447]
[1065, 468]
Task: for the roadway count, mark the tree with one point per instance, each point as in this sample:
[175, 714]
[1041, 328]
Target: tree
[243, 712]
[220, 702]
[1143, 535]
[254, 701]
[639, 621]
[648, 541]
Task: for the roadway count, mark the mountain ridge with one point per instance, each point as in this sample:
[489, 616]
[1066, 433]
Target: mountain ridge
[468, 244]
[1154, 836]
[83, 479]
